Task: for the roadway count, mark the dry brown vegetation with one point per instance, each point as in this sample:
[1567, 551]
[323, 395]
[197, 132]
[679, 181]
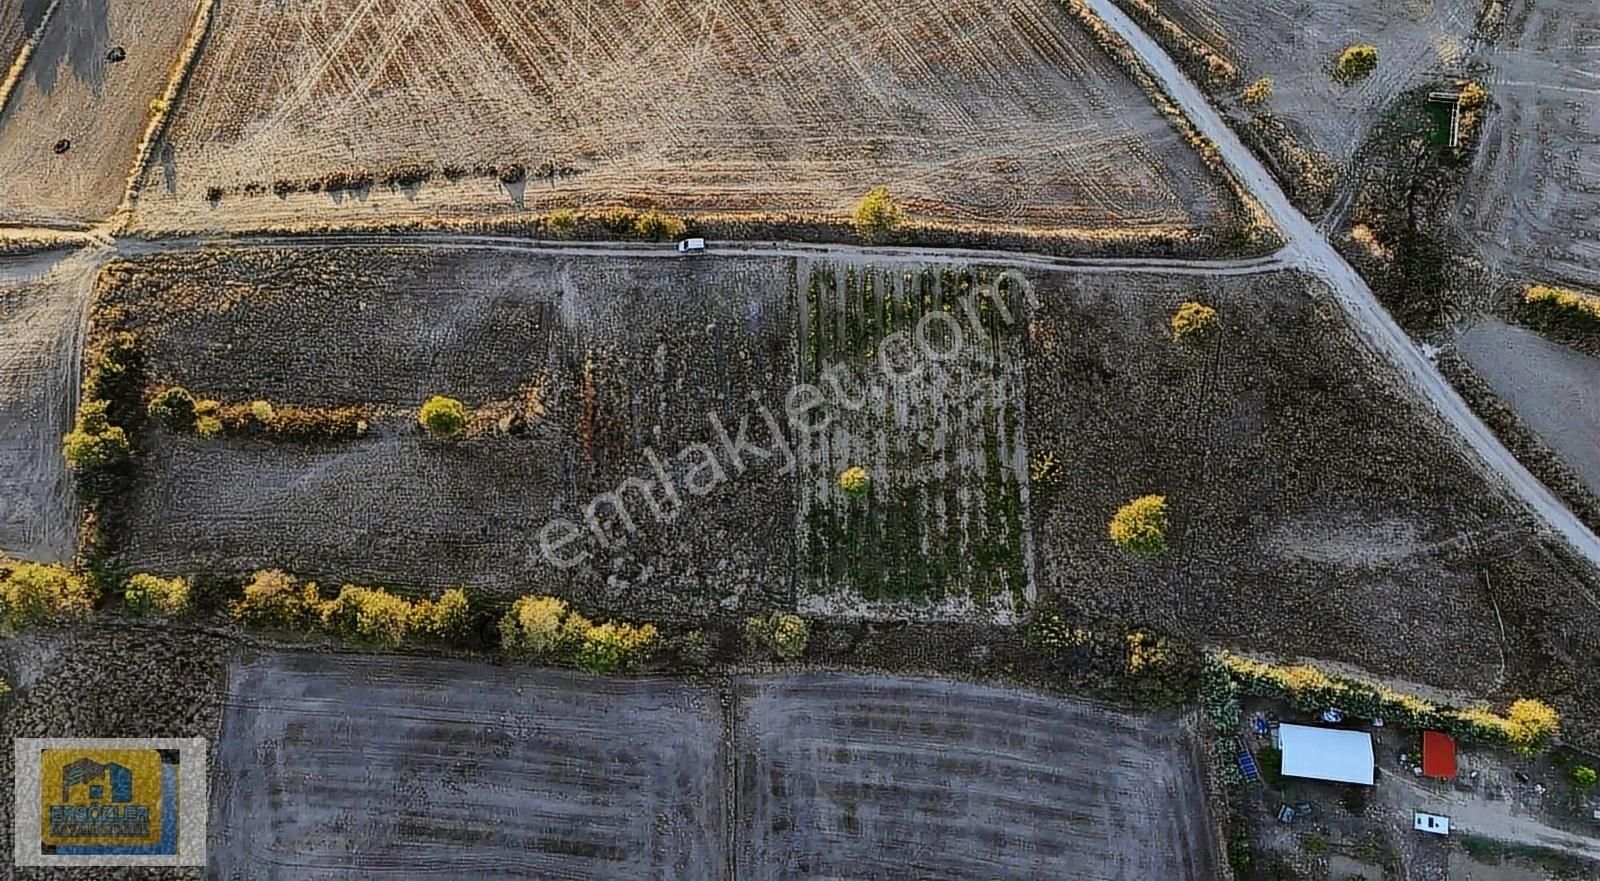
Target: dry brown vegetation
[1310, 506]
[1003, 116]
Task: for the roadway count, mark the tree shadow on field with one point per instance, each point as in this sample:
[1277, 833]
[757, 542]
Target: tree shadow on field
[78, 35]
[518, 191]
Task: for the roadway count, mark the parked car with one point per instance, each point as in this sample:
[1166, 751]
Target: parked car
[688, 246]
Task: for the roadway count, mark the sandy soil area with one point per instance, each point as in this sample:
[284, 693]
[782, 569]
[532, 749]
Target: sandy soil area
[1532, 199]
[72, 91]
[1554, 389]
[42, 304]
[1003, 114]
[1297, 42]
[858, 777]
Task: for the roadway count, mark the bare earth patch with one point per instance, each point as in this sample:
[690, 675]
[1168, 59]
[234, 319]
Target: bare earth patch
[42, 304]
[1533, 194]
[71, 91]
[1296, 44]
[1554, 389]
[422, 768]
[1005, 115]
[880, 777]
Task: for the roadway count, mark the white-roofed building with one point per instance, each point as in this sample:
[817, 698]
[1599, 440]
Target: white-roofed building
[1326, 754]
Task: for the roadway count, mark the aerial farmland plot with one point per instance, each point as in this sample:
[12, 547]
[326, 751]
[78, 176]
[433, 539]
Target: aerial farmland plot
[18, 19]
[883, 777]
[996, 115]
[73, 95]
[1296, 44]
[1530, 200]
[429, 769]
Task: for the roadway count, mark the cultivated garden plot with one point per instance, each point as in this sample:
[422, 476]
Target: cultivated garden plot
[1296, 44]
[42, 304]
[1530, 201]
[1000, 115]
[578, 371]
[74, 95]
[414, 768]
[1313, 509]
[878, 777]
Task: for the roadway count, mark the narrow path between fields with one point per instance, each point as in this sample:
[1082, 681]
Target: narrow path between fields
[1307, 249]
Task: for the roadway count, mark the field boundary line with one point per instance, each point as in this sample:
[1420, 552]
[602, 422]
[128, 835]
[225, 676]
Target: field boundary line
[177, 80]
[24, 55]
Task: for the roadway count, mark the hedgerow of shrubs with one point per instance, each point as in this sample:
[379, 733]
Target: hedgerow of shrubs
[780, 633]
[1561, 306]
[366, 615]
[1527, 726]
[146, 593]
[98, 447]
[38, 593]
[655, 225]
[545, 628]
[179, 410]
[1140, 526]
[1257, 93]
[96, 450]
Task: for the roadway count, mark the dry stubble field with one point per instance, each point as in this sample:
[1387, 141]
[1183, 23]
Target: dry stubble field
[1532, 200]
[1296, 43]
[18, 18]
[70, 90]
[42, 304]
[1000, 114]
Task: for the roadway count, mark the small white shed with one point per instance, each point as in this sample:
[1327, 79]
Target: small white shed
[1327, 754]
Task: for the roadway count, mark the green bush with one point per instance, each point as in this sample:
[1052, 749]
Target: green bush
[1356, 62]
[855, 481]
[1193, 323]
[1559, 306]
[145, 593]
[115, 375]
[444, 417]
[655, 225]
[610, 647]
[368, 615]
[174, 407]
[273, 598]
[562, 222]
[1584, 777]
[447, 619]
[1258, 92]
[95, 449]
[35, 593]
[1140, 526]
[877, 215]
[780, 633]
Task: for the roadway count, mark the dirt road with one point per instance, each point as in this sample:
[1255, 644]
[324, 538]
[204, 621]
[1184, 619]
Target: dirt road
[1308, 250]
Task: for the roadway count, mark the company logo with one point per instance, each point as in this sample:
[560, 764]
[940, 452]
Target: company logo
[109, 801]
[127, 802]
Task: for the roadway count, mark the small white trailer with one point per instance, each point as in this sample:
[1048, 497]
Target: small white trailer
[1433, 824]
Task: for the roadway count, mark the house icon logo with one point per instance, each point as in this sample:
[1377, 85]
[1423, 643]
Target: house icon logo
[113, 801]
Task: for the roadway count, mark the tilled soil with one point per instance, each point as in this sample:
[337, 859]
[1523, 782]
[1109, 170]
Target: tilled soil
[1001, 115]
[882, 777]
[1530, 201]
[414, 768]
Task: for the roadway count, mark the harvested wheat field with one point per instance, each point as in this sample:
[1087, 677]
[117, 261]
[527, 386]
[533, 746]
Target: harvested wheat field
[1533, 195]
[1313, 507]
[72, 91]
[1296, 43]
[876, 777]
[18, 20]
[576, 367]
[331, 767]
[1003, 115]
[43, 301]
